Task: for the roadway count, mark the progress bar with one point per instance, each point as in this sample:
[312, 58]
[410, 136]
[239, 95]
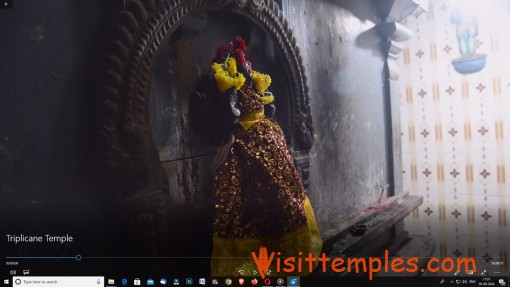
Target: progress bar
[78, 257]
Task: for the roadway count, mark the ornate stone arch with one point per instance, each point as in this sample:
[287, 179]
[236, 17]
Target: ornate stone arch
[125, 141]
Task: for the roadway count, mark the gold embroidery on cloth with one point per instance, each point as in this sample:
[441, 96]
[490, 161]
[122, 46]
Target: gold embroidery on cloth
[258, 190]
[232, 256]
[258, 197]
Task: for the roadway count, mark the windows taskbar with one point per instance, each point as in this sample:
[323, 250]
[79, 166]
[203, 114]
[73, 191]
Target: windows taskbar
[295, 281]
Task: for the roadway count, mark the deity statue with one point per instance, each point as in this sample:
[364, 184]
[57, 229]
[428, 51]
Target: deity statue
[258, 195]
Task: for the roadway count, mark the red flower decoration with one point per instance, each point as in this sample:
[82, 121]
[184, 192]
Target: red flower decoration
[235, 49]
[239, 57]
[221, 54]
[239, 43]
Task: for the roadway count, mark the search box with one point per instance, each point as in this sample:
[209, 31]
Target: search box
[58, 281]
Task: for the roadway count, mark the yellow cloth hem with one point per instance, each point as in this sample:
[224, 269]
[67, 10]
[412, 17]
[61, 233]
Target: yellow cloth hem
[249, 120]
[232, 256]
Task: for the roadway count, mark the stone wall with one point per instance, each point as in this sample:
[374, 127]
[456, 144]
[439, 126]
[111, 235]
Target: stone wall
[348, 159]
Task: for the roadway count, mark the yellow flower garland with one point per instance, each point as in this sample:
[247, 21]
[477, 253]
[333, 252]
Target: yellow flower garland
[267, 99]
[232, 66]
[226, 75]
[262, 81]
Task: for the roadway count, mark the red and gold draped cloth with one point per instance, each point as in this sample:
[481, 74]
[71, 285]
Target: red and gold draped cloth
[258, 197]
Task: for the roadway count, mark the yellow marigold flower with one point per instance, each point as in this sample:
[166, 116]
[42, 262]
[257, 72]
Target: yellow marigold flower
[232, 66]
[226, 75]
[226, 82]
[217, 68]
[262, 81]
[240, 79]
[267, 99]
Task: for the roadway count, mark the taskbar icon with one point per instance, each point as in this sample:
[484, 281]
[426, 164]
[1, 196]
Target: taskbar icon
[204, 281]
